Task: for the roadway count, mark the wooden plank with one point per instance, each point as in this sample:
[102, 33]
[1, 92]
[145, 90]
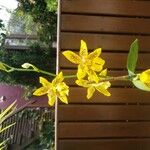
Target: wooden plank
[103, 112]
[107, 7]
[113, 61]
[106, 41]
[118, 95]
[71, 81]
[100, 24]
[103, 130]
[80, 124]
[104, 144]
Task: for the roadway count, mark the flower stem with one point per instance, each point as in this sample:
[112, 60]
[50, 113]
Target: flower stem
[70, 76]
[104, 78]
[11, 69]
[118, 78]
[31, 70]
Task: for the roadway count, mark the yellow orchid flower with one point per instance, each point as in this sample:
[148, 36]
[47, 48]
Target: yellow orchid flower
[92, 86]
[55, 89]
[88, 64]
[145, 77]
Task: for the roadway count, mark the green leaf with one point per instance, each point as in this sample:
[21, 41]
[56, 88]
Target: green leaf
[8, 111]
[132, 57]
[140, 85]
[7, 127]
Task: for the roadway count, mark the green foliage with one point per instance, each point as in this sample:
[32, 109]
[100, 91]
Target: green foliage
[44, 15]
[51, 5]
[132, 57]
[2, 32]
[45, 139]
[4, 114]
[20, 23]
[41, 57]
[131, 66]
[31, 17]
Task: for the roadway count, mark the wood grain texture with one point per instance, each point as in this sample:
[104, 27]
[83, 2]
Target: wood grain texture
[103, 130]
[108, 42]
[118, 95]
[104, 144]
[101, 24]
[121, 121]
[107, 7]
[104, 113]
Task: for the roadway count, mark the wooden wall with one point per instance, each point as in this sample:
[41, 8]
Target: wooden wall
[122, 121]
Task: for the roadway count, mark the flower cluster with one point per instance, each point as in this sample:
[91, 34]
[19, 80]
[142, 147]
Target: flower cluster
[53, 90]
[91, 74]
[90, 71]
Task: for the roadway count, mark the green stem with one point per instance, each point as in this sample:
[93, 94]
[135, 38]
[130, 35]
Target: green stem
[32, 70]
[70, 76]
[118, 78]
[104, 78]
[11, 69]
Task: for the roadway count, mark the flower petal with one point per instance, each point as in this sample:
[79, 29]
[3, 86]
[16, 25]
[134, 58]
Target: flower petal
[92, 76]
[148, 85]
[103, 72]
[95, 53]
[51, 99]
[82, 82]
[71, 56]
[103, 91]
[145, 76]
[90, 92]
[142, 86]
[83, 49]
[41, 91]
[59, 78]
[97, 64]
[102, 88]
[81, 73]
[44, 81]
[62, 88]
[63, 99]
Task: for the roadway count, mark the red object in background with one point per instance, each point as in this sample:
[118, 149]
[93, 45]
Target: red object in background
[9, 94]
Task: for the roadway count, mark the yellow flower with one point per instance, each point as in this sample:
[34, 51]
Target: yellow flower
[88, 64]
[53, 90]
[145, 77]
[92, 86]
